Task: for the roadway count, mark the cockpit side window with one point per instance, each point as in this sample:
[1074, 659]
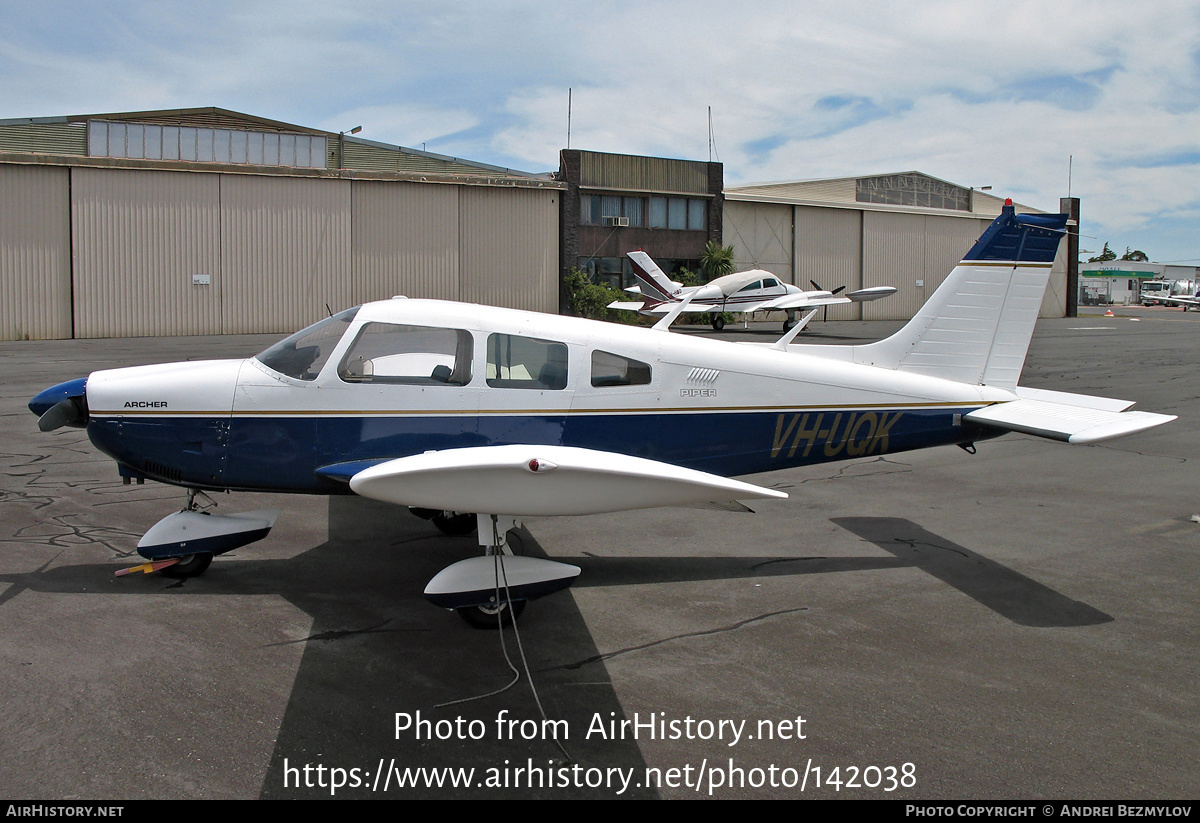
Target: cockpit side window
[610, 369]
[525, 363]
[410, 355]
[304, 354]
[757, 284]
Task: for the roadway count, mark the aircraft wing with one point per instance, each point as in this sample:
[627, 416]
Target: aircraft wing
[798, 301]
[815, 299]
[665, 308]
[522, 480]
[627, 305]
[1181, 300]
[872, 293]
[1073, 418]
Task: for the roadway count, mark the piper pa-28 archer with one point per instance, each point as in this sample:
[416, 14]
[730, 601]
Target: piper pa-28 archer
[743, 292]
[476, 416]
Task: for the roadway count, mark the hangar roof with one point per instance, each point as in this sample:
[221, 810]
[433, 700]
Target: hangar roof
[212, 135]
[898, 191]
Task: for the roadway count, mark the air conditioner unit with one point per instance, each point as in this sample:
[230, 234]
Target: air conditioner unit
[616, 221]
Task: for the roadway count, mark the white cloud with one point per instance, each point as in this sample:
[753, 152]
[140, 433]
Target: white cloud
[974, 92]
[402, 124]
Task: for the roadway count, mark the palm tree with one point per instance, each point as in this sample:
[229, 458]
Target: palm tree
[716, 260]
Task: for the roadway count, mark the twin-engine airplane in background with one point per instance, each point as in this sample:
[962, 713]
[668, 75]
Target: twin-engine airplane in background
[743, 292]
[480, 416]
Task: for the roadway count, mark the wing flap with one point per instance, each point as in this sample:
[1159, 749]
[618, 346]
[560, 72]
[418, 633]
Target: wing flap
[525, 480]
[1071, 423]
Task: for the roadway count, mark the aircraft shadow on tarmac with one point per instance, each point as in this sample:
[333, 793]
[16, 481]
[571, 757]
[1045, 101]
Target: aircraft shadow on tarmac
[376, 647]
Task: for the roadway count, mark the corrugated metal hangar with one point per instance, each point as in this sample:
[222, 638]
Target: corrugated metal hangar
[906, 230]
[207, 221]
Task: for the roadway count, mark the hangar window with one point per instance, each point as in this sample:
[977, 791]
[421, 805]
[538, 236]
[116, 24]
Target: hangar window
[589, 210]
[658, 212]
[614, 272]
[610, 369]
[677, 213]
[525, 363]
[912, 190]
[632, 208]
[304, 354]
[409, 355]
[601, 210]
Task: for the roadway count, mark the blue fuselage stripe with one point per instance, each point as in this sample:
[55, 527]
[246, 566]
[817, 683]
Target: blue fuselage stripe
[282, 453]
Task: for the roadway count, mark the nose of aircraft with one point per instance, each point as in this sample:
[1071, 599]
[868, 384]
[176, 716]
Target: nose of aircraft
[61, 405]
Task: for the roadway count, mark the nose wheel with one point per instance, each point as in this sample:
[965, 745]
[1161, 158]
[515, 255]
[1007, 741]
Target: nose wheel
[191, 565]
[184, 544]
[492, 615]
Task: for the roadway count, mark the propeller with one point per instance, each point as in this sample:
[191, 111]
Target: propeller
[71, 411]
[817, 286]
[825, 311]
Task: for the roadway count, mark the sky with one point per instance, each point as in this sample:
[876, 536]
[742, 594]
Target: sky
[1097, 99]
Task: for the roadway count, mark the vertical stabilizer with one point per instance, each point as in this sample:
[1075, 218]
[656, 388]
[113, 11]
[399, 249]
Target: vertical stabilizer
[977, 325]
[656, 287]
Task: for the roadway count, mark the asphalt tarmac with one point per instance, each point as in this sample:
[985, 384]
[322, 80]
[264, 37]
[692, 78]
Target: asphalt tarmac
[1016, 624]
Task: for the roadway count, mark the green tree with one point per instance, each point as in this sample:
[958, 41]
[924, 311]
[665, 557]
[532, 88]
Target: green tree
[716, 260]
[591, 300]
[1137, 255]
[1104, 256]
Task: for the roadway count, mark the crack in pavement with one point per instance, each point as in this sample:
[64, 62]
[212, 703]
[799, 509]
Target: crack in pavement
[861, 469]
[719, 630]
[341, 634]
[68, 535]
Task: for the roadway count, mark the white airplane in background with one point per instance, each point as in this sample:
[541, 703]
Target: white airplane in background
[476, 415]
[1186, 301]
[743, 292]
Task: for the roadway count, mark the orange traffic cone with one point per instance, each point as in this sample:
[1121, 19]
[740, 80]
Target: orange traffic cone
[1109, 313]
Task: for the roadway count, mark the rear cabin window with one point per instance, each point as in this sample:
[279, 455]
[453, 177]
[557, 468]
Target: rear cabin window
[408, 355]
[515, 362]
[610, 369]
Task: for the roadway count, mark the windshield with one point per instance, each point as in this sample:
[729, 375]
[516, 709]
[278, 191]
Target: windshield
[303, 355]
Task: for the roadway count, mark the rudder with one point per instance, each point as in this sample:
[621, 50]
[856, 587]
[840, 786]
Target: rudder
[977, 325]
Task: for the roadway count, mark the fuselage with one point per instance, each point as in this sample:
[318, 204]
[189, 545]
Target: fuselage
[401, 377]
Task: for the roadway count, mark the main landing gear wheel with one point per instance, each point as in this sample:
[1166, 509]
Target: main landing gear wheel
[192, 565]
[492, 616]
[790, 323]
[718, 322]
[454, 524]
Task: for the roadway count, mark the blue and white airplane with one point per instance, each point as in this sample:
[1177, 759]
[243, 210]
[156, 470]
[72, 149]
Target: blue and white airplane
[477, 416]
